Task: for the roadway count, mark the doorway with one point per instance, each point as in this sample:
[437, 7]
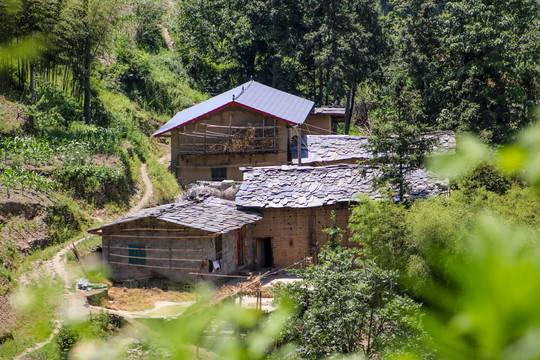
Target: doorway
[265, 257]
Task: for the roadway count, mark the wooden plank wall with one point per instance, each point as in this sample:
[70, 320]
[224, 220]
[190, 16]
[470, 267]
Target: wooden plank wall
[172, 251]
[299, 232]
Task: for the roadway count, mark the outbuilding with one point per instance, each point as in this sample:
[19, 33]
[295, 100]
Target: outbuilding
[170, 242]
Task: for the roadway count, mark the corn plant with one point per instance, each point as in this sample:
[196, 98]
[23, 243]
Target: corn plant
[22, 179]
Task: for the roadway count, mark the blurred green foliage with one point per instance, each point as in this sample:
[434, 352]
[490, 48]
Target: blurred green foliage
[346, 306]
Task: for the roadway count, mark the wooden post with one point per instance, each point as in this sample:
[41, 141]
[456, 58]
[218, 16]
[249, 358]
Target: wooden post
[230, 125]
[299, 145]
[205, 131]
[275, 145]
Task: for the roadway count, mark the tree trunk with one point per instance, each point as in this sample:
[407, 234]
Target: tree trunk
[347, 122]
[86, 105]
[321, 86]
[32, 97]
[349, 110]
[32, 84]
[87, 64]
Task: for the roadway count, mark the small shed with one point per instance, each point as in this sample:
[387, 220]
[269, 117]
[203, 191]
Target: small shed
[171, 241]
[297, 201]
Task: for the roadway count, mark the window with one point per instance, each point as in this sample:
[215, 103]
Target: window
[219, 174]
[137, 255]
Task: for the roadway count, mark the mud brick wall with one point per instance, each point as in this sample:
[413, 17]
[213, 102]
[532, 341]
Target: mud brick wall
[299, 232]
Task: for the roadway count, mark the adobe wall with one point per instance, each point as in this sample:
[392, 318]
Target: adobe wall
[172, 251]
[299, 232]
[317, 124]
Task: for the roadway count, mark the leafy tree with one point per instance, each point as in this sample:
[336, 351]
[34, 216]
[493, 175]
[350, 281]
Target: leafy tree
[397, 131]
[488, 73]
[346, 41]
[346, 306]
[79, 38]
[381, 230]
[412, 28]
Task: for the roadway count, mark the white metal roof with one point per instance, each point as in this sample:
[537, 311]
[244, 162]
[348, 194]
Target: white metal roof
[251, 95]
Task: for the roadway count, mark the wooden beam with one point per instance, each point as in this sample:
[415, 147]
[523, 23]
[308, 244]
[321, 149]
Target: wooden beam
[149, 258]
[125, 247]
[163, 237]
[153, 267]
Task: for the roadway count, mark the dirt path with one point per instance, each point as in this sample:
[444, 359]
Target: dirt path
[75, 302]
[148, 191]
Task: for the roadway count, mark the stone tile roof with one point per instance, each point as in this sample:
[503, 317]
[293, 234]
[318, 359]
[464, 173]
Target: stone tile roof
[325, 148]
[303, 186]
[209, 214]
[331, 110]
[331, 148]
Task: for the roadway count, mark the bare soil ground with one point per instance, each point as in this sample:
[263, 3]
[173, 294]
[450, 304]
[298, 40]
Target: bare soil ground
[22, 217]
[142, 299]
[12, 115]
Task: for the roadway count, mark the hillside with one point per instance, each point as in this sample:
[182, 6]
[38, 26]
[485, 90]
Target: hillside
[61, 173]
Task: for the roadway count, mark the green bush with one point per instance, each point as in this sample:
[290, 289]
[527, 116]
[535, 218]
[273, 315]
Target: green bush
[486, 176]
[347, 306]
[380, 229]
[53, 109]
[84, 179]
[408, 240]
[166, 187]
[149, 14]
[65, 340]
[64, 219]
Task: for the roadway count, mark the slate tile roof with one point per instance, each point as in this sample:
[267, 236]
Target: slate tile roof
[251, 95]
[327, 148]
[328, 110]
[211, 214]
[304, 186]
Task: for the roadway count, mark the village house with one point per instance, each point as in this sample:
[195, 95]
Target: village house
[250, 125]
[296, 203]
[170, 242]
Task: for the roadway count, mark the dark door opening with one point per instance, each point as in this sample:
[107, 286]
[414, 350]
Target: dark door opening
[265, 257]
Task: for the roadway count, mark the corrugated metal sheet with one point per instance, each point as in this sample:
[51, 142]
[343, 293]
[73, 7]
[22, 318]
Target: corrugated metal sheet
[252, 95]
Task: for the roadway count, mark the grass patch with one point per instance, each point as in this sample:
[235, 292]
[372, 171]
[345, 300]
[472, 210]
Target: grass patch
[142, 299]
[85, 247]
[34, 323]
[166, 187]
[47, 352]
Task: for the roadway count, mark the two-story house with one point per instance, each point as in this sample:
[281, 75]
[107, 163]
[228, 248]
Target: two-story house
[250, 125]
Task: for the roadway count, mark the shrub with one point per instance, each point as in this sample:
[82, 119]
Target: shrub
[85, 180]
[53, 109]
[346, 306]
[65, 340]
[166, 187]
